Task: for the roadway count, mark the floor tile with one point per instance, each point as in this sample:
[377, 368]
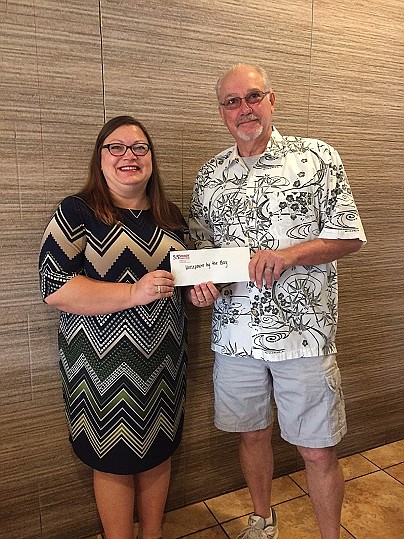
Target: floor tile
[211, 533]
[373, 507]
[187, 520]
[283, 489]
[301, 479]
[231, 505]
[296, 521]
[238, 503]
[234, 527]
[397, 472]
[353, 466]
[386, 455]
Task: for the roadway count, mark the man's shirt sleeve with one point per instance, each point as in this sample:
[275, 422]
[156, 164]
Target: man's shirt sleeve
[200, 229]
[339, 217]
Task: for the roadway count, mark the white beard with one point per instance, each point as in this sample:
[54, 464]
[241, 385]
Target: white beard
[252, 136]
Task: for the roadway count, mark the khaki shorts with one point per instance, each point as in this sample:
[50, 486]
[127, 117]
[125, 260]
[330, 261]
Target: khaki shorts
[307, 392]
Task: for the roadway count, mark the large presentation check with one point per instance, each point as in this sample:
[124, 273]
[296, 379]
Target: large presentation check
[217, 265]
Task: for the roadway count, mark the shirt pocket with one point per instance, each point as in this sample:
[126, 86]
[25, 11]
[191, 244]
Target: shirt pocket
[337, 419]
[294, 217]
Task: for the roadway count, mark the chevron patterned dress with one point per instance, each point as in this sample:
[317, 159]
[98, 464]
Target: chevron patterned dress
[123, 374]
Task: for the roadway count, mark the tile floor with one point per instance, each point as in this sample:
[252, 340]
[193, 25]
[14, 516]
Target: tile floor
[373, 506]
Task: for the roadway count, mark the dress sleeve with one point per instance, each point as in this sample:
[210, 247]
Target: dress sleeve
[62, 248]
[339, 214]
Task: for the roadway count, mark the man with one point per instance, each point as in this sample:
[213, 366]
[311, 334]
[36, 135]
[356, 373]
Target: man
[289, 200]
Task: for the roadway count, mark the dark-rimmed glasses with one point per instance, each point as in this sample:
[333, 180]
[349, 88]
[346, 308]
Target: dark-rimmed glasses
[118, 150]
[252, 98]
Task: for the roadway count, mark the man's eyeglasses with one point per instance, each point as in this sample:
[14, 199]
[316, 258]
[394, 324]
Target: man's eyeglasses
[231, 103]
[118, 150]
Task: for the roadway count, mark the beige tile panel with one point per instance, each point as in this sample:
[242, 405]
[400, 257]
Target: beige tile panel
[35, 443]
[20, 279]
[70, 82]
[366, 413]
[19, 512]
[67, 150]
[177, 492]
[351, 116]
[181, 98]
[395, 420]
[387, 455]
[68, 19]
[15, 380]
[228, 22]
[19, 93]
[21, 169]
[349, 61]
[209, 465]
[162, 18]
[68, 487]
[378, 34]
[373, 507]
[46, 382]
[13, 10]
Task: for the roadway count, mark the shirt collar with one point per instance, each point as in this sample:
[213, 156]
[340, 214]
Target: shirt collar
[272, 150]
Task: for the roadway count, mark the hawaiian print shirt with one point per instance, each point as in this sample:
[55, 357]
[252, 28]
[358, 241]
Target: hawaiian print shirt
[296, 191]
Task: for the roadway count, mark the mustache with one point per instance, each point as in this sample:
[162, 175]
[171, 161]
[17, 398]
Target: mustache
[247, 118]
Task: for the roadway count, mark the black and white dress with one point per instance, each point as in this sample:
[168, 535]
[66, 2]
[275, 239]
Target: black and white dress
[123, 374]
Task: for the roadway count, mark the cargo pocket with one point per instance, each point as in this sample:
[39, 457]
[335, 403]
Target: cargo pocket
[337, 419]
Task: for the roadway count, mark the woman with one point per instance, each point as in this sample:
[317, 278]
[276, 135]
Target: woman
[104, 264]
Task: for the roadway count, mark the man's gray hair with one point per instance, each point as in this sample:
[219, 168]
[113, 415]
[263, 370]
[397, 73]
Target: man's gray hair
[259, 69]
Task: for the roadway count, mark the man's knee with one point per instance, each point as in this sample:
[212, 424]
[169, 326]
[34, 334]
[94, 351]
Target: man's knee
[256, 437]
[326, 456]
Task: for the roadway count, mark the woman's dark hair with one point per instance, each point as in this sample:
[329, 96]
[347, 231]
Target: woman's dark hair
[97, 194]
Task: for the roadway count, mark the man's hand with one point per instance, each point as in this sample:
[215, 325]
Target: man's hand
[268, 265]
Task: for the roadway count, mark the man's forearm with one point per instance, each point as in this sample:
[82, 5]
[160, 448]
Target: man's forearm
[319, 251]
[269, 265]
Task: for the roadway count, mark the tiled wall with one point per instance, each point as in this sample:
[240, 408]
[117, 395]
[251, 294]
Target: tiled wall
[337, 68]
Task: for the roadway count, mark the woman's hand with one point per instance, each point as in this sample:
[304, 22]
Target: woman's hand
[154, 285]
[203, 295]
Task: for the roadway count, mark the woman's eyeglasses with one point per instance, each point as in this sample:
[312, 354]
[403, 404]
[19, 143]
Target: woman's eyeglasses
[118, 150]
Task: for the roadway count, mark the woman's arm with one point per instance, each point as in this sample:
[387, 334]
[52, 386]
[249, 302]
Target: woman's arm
[82, 295]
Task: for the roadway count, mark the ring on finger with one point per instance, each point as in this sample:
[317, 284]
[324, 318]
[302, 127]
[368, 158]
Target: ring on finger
[158, 289]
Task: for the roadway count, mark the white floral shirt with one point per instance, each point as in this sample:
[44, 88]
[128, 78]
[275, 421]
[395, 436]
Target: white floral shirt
[296, 191]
